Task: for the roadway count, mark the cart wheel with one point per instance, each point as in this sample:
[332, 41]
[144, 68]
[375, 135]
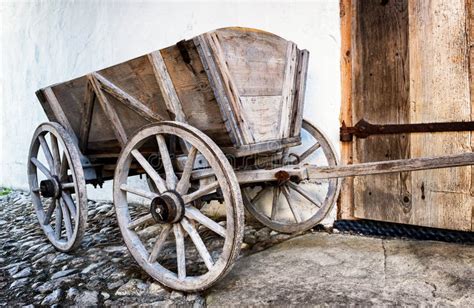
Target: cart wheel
[154, 231]
[290, 206]
[58, 190]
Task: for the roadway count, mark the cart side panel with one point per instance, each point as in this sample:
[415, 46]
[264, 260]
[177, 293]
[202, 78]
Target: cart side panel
[194, 91]
[137, 79]
[259, 72]
[70, 96]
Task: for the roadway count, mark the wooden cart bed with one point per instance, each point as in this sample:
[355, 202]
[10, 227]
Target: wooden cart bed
[242, 87]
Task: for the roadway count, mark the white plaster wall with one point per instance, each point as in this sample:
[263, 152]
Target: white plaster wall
[45, 42]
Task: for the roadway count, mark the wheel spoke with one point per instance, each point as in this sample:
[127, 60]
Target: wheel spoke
[69, 203]
[140, 221]
[197, 240]
[138, 192]
[309, 151]
[47, 152]
[165, 158]
[41, 167]
[305, 194]
[160, 184]
[160, 241]
[55, 152]
[183, 184]
[49, 213]
[195, 214]
[59, 222]
[276, 194]
[64, 166]
[180, 253]
[294, 211]
[258, 195]
[66, 219]
[202, 191]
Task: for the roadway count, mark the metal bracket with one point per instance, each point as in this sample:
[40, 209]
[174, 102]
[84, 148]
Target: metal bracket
[364, 129]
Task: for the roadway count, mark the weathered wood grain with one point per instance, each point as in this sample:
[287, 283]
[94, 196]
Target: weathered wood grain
[380, 93]
[109, 111]
[439, 91]
[166, 85]
[87, 111]
[470, 41]
[346, 201]
[399, 165]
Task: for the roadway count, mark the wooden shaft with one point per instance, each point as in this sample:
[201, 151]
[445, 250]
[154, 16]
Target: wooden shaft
[313, 172]
[393, 166]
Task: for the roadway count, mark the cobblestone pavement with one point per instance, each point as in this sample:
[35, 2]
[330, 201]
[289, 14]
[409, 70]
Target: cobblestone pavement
[101, 272]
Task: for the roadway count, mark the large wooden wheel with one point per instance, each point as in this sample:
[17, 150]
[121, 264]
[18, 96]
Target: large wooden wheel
[155, 231]
[58, 190]
[291, 206]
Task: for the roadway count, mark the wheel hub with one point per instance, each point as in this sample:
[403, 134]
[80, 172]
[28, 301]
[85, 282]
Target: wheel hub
[50, 188]
[167, 208]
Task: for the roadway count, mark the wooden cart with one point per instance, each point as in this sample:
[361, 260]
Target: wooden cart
[212, 122]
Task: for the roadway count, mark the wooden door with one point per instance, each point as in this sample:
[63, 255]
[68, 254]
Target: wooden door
[407, 62]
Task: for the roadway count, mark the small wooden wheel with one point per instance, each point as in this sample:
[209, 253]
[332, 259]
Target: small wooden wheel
[168, 207]
[292, 206]
[58, 190]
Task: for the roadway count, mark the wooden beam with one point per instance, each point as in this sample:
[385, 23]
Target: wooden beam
[87, 110]
[166, 86]
[230, 88]
[393, 166]
[129, 101]
[288, 94]
[346, 201]
[216, 83]
[58, 112]
[300, 86]
[109, 111]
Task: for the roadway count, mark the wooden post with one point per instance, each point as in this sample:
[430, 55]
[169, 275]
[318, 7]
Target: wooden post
[346, 201]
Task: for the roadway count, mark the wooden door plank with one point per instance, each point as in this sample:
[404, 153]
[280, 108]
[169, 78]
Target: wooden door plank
[439, 91]
[345, 208]
[380, 92]
[470, 44]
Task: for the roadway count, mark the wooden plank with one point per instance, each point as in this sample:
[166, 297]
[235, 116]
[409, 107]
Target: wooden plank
[128, 100]
[109, 111]
[439, 91]
[230, 88]
[166, 85]
[87, 111]
[58, 112]
[300, 88]
[395, 166]
[218, 89]
[288, 93]
[256, 60]
[380, 94]
[262, 147]
[195, 93]
[261, 112]
[470, 37]
[346, 201]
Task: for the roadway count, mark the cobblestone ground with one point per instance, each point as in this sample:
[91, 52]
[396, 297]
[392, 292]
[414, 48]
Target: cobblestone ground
[101, 272]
